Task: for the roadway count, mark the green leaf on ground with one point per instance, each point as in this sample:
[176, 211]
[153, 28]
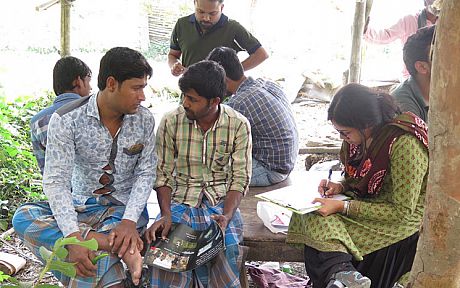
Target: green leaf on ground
[4, 276]
[3, 225]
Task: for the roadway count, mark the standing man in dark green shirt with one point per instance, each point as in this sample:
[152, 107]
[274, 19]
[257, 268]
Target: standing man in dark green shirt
[195, 35]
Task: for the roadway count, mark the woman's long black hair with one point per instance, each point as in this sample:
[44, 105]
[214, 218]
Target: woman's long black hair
[361, 107]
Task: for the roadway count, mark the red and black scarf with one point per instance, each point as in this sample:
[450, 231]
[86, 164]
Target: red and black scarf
[365, 174]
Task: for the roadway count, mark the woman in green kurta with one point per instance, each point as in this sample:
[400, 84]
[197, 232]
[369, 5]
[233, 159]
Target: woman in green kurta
[385, 157]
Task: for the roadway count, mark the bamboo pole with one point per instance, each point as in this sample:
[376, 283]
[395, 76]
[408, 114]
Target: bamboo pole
[65, 28]
[357, 34]
[368, 8]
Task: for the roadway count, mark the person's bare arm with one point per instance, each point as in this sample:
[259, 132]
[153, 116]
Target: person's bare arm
[255, 59]
[174, 62]
[164, 223]
[231, 203]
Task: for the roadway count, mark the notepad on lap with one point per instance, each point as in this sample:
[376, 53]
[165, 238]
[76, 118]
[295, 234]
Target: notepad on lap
[299, 196]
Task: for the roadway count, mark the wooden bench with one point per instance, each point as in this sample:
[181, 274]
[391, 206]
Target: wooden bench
[263, 244]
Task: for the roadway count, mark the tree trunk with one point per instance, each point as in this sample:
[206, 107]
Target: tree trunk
[437, 262]
[65, 28]
[358, 28]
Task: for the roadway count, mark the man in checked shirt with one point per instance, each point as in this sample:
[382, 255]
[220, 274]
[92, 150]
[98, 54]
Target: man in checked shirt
[274, 132]
[203, 171]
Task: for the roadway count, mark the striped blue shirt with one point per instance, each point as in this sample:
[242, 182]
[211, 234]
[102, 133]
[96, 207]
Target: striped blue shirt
[39, 126]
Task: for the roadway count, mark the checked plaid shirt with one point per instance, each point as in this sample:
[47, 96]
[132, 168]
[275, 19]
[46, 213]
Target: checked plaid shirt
[274, 132]
[194, 163]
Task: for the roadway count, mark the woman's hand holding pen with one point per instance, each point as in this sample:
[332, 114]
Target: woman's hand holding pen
[328, 188]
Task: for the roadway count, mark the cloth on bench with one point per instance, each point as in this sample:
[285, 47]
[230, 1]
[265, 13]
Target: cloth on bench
[272, 278]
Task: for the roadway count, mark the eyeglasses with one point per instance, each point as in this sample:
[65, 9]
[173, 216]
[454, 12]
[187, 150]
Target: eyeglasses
[345, 134]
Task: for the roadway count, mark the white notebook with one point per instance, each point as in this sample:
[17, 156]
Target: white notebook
[299, 196]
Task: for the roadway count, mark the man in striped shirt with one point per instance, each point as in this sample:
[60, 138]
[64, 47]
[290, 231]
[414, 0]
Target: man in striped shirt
[71, 80]
[203, 171]
[265, 105]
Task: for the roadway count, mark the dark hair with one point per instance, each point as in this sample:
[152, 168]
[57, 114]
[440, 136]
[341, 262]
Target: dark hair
[122, 63]
[229, 60]
[417, 48]
[65, 71]
[360, 107]
[206, 77]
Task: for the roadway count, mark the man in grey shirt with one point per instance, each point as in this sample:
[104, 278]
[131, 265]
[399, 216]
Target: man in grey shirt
[414, 94]
[99, 172]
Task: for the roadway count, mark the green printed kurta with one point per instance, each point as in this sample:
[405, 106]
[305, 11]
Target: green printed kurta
[373, 223]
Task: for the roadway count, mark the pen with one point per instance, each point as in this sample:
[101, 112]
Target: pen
[328, 180]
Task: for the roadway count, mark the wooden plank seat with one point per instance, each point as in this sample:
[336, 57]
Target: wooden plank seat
[263, 244]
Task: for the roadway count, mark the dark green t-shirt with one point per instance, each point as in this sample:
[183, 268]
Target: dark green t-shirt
[195, 46]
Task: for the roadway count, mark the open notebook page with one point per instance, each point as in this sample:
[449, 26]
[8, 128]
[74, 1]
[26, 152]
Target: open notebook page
[299, 196]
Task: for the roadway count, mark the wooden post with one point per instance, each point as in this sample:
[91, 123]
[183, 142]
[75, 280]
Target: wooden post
[368, 8]
[65, 28]
[437, 262]
[357, 34]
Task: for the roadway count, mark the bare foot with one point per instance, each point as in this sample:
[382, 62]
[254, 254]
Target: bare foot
[134, 263]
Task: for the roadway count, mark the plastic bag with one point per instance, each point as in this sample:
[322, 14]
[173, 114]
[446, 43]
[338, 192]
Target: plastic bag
[275, 218]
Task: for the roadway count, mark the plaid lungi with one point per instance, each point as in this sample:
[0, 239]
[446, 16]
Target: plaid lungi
[35, 225]
[221, 272]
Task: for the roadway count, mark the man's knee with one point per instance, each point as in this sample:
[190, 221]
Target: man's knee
[267, 178]
[36, 221]
[23, 217]
[260, 179]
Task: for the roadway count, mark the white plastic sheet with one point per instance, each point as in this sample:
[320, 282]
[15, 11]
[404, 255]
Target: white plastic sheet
[275, 218]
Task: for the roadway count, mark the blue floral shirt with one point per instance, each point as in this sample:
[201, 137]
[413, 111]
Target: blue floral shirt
[79, 147]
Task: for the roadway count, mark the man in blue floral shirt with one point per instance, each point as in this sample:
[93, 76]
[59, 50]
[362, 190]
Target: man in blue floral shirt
[99, 172]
